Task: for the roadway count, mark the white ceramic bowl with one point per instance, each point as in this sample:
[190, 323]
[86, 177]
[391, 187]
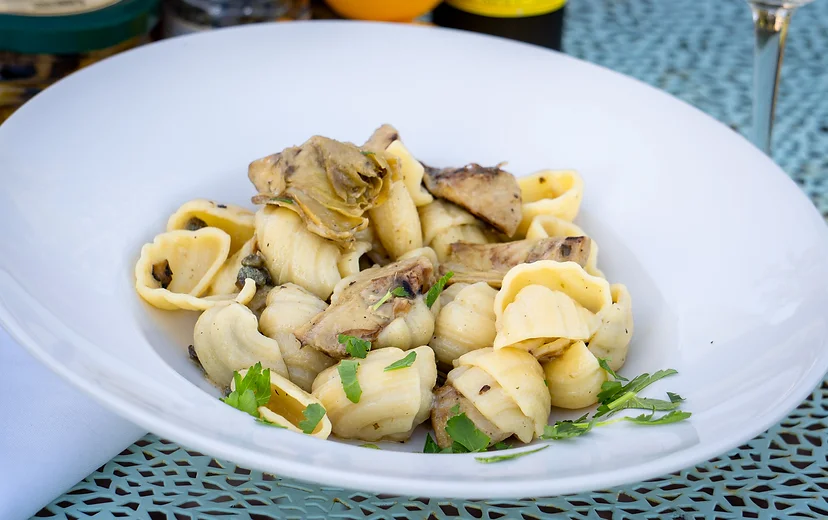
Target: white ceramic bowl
[726, 260]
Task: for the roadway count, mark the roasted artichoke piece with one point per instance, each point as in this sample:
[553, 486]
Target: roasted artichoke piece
[491, 194]
[472, 263]
[363, 305]
[330, 184]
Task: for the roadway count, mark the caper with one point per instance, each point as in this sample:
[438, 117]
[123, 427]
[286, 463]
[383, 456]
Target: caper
[260, 276]
[194, 224]
[254, 260]
[162, 273]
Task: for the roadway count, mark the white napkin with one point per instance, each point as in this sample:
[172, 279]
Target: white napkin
[51, 435]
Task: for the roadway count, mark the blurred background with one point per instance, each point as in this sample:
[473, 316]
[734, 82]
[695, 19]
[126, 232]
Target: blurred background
[701, 51]
[42, 41]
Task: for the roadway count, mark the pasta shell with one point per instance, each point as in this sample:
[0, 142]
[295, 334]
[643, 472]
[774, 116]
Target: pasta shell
[469, 233]
[591, 292]
[397, 223]
[289, 307]
[227, 339]
[286, 404]
[294, 254]
[520, 376]
[349, 261]
[544, 226]
[550, 192]
[392, 403]
[179, 266]
[574, 379]
[439, 216]
[539, 313]
[550, 350]
[225, 280]
[465, 323]
[612, 338]
[492, 401]
[412, 173]
[236, 221]
[410, 330]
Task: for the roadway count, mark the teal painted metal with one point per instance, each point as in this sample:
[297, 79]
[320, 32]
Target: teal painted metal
[701, 52]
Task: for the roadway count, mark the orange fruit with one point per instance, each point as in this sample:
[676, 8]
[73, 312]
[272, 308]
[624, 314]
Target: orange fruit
[382, 10]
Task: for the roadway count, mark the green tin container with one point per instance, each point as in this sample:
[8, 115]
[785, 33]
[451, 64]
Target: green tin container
[44, 40]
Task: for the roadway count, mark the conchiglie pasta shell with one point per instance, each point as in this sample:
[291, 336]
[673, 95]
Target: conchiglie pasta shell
[289, 307]
[188, 302]
[193, 257]
[469, 233]
[544, 226]
[493, 402]
[227, 339]
[349, 261]
[612, 337]
[589, 291]
[294, 254]
[521, 377]
[410, 330]
[541, 313]
[574, 379]
[550, 192]
[465, 323]
[236, 221]
[286, 404]
[550, 350]
[397, 223]
[440, 216]
[225, 280]
[392, 403]
[412, 173]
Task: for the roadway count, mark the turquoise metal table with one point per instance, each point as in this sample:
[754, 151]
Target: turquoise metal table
[700, 51]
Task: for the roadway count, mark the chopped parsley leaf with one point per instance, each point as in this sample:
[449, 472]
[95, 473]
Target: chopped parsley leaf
[405, 362]
[347, 369]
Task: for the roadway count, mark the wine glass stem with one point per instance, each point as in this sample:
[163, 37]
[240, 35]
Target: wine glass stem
[771, 27]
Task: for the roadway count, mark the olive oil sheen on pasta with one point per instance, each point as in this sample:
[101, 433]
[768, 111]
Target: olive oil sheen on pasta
[533, 21]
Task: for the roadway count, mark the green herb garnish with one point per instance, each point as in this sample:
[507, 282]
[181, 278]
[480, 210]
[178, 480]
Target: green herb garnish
[355, 347]
[501, 458]
[313, 414]
[400, 291]
[366, 153]
[672, 417]
[466, 436]
[613, 394]
[251, 391]
[281, 199]
[405, 362]
[262, 420]
[615, 397]
[437, 288]
[347, 369]
[566, 430]
[501, 446]
[430, 445]
[604, 363]
[371, 446]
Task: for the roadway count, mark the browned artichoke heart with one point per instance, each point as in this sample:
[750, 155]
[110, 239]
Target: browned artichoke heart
[330, 184]
[491, 194]
[354, 311]
[472, 263]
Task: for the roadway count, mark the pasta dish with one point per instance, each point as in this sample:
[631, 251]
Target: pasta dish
[369, 293]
